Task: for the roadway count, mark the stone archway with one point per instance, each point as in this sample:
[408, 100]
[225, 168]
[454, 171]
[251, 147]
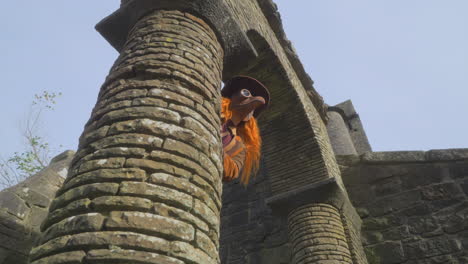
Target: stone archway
[304, 182]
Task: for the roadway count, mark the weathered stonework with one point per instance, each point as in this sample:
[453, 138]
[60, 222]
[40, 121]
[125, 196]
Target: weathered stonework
[413, 204]
[24, 206]
[148, 164]
[317, 234]
[145, 184]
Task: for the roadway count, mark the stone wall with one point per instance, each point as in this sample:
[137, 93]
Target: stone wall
[24, 206]
[250, 234]
[414, 205]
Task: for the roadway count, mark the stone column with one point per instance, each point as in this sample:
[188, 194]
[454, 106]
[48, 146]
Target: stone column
[323, 225]
[317, 235]
[339, 135]
[145, 184]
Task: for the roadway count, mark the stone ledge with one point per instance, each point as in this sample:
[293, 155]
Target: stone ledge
[447, 154]
[397, 157]
[327, 191]
[393, 157]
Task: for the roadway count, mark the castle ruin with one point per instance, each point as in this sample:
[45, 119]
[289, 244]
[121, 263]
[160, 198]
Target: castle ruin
[144, 185]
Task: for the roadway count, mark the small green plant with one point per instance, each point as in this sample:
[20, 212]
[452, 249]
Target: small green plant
[37, 152]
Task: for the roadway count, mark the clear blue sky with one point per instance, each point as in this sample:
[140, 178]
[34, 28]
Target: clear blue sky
[403, 63]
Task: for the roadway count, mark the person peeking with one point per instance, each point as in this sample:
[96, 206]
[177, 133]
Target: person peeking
[243, 99]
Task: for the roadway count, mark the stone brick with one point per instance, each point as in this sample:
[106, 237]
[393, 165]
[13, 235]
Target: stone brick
[198, 121]
[397, 233]
[103, 239]
[171, 96]
[157, 193]
[87, 138]
[74, 224]
[153, 113]
[110, 106]
[420, 175]
[213, 192]
[205, 213]
[447, 154]
[181, 148]
[149, 165]
[387, 186]
[169, 211]
[84, 191]
[183, 185]
[111, 163]
[394, 203]
[105, 175]
[33, 197]
[73, 208]
[372, 237]
[119, 255]
[73, 257]
[150, 223]
[13, 204]
[459, 171]
[418, 209]
[205, 243]
[159, 128]
[443, 191]
[191, 254]
[127, 140]
[115, 152]
[422, 225]
[126, 94]
[390, 252]
[376, 223]
[147, 101]
[432, 247]
[394, 157]
[169, 86]
[119, 203]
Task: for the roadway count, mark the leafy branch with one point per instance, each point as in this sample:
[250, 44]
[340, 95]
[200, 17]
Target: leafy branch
[37, 152]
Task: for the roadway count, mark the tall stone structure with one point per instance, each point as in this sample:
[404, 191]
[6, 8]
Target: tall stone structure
[145, 183]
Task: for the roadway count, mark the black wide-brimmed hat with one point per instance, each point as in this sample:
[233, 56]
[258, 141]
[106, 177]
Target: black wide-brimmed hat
[255, 87]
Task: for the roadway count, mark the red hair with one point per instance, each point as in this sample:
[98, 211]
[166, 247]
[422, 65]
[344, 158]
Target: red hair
[250, 134]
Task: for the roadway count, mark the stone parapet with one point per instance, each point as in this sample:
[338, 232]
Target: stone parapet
[413, 204]
[399, 157]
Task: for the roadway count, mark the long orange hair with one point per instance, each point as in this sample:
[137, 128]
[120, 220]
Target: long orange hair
[249, 132]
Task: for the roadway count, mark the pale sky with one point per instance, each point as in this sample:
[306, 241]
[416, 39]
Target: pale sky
[403, 63]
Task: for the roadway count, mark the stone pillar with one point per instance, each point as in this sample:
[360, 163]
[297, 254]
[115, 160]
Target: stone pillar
[145, 184]
[323, 225]
[317, 235]
[339, 135]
